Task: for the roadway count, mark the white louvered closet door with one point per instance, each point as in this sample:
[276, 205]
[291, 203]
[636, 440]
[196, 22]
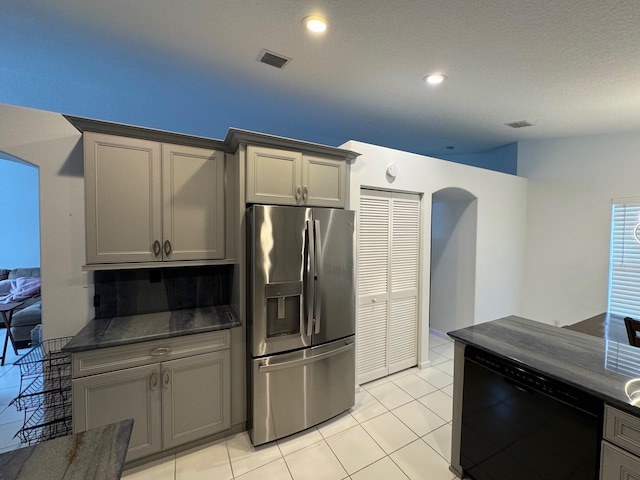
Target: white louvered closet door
[373, 286]
[403, 319]
[388, 272]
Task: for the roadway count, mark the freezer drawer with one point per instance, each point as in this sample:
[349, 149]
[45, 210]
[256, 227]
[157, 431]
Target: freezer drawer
[294, 391]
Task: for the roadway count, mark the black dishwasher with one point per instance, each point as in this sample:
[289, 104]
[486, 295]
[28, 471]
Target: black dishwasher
[518, 424]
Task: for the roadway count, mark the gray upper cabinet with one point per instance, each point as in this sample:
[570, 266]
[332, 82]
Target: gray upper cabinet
[193, 201]
[285, 177]
[148, 201]
[273, 176]
[324, 181]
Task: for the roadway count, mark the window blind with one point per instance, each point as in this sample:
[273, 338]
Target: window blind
[624, 264]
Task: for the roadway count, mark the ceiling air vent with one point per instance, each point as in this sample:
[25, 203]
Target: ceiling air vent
[273, 59]
[520, 124]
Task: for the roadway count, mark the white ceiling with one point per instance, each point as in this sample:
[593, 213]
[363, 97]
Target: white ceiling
[570, 67]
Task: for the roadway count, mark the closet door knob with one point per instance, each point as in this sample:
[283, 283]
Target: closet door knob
[156, 248]
[167, 248]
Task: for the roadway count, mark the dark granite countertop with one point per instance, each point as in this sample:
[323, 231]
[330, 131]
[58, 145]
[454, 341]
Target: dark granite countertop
[113, 332]
[606, 368]
[98, 454]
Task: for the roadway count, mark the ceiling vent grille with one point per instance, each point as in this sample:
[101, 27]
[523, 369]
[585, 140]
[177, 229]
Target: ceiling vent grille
[520, 124]
[273, 59]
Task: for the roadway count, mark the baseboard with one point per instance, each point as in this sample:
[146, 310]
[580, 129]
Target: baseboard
[424, 365]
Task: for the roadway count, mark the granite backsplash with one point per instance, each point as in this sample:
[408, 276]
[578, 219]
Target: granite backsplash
[120, 293]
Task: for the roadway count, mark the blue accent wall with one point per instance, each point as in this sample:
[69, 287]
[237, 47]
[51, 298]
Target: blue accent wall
[20, 232]
[50, 64]
[502, 159]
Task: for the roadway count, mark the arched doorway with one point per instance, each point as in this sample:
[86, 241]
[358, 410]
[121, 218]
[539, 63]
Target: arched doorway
[20, 239]
[20, 242]
[453, 259]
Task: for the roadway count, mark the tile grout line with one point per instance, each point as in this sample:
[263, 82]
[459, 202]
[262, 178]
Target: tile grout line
[358, 423]
[400, 420]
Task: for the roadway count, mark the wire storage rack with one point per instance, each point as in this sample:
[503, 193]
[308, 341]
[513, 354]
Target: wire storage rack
[45, 392]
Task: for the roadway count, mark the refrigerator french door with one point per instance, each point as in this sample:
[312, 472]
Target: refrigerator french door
[301, 316]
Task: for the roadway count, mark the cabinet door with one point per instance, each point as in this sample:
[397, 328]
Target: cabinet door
[324, 181]
[193, 203]
[122, 199]
[273, 176]
[196, 395]
[617, 464]
[110, 397]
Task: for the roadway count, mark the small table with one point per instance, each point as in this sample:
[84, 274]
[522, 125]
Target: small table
[7, 314]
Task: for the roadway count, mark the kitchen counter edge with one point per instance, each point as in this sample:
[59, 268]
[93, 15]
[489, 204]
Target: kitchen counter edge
[118, 331]
[583, 361]
[98, 453]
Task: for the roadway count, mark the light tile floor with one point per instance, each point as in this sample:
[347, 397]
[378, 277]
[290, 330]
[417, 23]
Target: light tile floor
[399, 428]
[11, 420]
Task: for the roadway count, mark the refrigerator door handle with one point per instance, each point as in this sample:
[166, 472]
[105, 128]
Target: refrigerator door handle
[304, 361]
[318, 275]
[310, 267]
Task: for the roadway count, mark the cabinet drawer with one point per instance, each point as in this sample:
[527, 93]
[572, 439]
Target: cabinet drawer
[145, 353]
[617, 464]
[622, 429]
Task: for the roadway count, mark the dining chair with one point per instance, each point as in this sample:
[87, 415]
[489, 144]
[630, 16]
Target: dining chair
[633, 329]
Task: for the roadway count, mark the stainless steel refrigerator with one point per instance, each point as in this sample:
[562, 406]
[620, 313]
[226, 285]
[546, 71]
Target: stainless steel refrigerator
[301, 318]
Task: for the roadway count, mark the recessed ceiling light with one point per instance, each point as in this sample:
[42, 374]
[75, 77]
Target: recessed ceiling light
[435, 78]
[316, 24]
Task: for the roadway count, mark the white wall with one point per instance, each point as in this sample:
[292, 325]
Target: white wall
[48, 141]
[453, 260]
[501, 222]
[20, 235]
[571, 184]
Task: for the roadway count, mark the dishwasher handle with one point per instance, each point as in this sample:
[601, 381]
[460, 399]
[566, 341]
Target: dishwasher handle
[519, 386]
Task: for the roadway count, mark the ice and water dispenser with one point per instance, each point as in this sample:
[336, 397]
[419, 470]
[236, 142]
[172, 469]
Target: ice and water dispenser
[284, 307]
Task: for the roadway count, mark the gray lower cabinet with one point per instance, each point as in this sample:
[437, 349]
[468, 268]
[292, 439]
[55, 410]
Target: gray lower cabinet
[618, 465]
[620, 457]
[195, 397]
[172, 402]
[110, 397]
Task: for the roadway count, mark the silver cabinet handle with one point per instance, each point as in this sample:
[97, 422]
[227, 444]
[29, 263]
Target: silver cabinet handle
[160, 352]
[305, 194]
[156, 248]
[153, 382]
[166, 379]
[167, 248]
[298, 193]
